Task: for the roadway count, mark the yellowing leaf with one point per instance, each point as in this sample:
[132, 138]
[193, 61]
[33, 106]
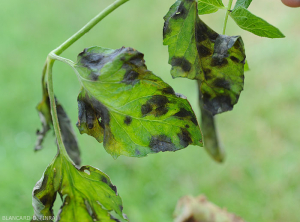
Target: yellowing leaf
[88, 194]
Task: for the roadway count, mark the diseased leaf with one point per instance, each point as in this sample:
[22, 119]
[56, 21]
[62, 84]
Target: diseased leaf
[129, 108]
[210, 135]
[198, 52]
[68, 135]
[199, 209]
[243, 3]
[87, 193]
[209, 6]
[251, 23]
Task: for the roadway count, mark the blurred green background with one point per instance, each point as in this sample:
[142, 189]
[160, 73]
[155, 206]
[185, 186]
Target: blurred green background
[260, 180]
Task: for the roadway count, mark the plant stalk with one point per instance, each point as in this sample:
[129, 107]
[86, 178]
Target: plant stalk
[47, 71]
[226, 15]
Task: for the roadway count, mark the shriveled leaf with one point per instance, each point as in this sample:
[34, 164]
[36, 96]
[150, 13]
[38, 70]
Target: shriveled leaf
[209, 6]
[199, 209]
[198, 52]
[210, 135]
[129, 108]
[87, 193]
[251, 23]
[68, 135]
[243, 3]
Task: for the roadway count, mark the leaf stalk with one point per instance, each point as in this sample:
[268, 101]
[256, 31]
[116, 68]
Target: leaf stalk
[226, 16]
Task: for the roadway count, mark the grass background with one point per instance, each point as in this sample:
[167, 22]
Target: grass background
[259, 180]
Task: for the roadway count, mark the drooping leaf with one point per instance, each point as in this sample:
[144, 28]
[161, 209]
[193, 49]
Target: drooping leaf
[129, 108]
[68, 135]
[251, 23]
[198, 52]
[243, 3]
[87, 193]
[199, 209]
[209, 6]
[210, 135]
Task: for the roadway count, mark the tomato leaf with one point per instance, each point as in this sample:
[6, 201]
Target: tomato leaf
[251, 23]
[87, 193]
[209, 6]
[243, 3]
[68, 134]
[130, 109]
[198, 52]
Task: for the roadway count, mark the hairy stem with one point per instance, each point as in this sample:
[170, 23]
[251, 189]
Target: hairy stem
[226, 16]
[88, 26]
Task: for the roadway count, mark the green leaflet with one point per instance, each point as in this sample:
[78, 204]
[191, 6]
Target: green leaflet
[87, 193]
[67, 131]
[130, 109]
[209, 6]
[243, 3]
[251, 23]
[198, 52]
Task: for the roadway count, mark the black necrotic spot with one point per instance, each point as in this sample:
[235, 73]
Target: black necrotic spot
[201, 30]
[161, 143]
[222, 83]
[168, 90]
[184, 137]
[127, 120]
[158, 100]
[234, 59]
[166, 29]
[182, 113]
[218, 62]
[184, 64]
[130, 77]
[204, 51]
[187, 126]
[218, 104]
[146, 108]
[207, 74]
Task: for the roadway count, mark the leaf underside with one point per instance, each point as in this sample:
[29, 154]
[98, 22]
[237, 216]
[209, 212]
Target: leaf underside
[251, 23]
[87, 194]
[68, 134]
[198, 52]
[128, 108]
[209, 6]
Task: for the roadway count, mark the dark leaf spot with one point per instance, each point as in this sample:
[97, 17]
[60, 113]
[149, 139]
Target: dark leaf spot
[184, 137]
[130, 77]
[222, 83]
[168, 90]
[161, 143]
[204, 51]
[234, 59]
[184, 64]
[146, 108]
[207, 74]
[218, 104]
[218, 62]
[181, 12]
[182, 113]
[127, 120]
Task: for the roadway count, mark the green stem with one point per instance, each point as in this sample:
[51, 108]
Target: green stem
[88, 26]
[226, 15]
[47, 71]
[55, 121]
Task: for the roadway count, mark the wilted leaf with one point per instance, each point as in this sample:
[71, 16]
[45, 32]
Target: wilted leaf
[199, 209]
[198, 52]
[210, 135]
[243, 3]
[68, 135]
[251, 23]
[209, 6]
[87, 193]
[129, 108]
